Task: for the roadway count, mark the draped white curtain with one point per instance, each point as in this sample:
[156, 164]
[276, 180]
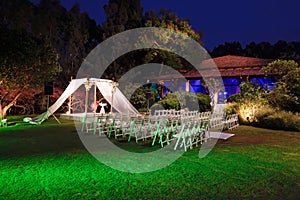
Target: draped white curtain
[72, 87]
[120, 102]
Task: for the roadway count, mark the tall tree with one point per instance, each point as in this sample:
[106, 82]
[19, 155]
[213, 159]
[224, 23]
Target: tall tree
[16, 14]
[279, 50]
[75, 37]
[72, 33]
[121, 15]
[260, 50]
[286, 93]
[229, 48]
[48, 22]
[167, 19]
[26, 62]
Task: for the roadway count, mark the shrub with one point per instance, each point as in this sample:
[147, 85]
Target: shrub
[279, 98]
[156, 106]
[278, 119]
[181, 99]
[204, 102]
[247, 110]
[137, 96]
[231, 108]
[266, 117]
[286, 93]
[234, 98]
[170, 103]
[246, 103]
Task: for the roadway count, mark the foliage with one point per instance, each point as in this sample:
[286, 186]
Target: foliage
[204, 102]
[252, 97]
[280, 68]
[133, 18]
[170, 103]
[121, 15]
[137, 96]
[213, 85]
[26, 62]
[232, 108]
[279, 50]
[263, 108]
[45, 32]
[72, 34]
[167, 19]
[286, 94]
[228, 48]
[277, 119]
[280, 97]
[181, 100]
[234, 98]
[16, 14]
[292, 79]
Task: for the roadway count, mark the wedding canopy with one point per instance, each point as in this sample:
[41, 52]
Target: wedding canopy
[108, 89]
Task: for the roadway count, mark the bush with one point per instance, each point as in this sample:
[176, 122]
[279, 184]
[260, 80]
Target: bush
[232, 108]
[267, 117]
[247, 110]
[204, 102]
[170, 103]
[277, 119]
[156, 106]
[137, 96]
[234, 98]
[181, 99]
[279, 98]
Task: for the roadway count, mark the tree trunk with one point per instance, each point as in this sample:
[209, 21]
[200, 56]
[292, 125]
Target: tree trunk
[1, 113]
[3, 110]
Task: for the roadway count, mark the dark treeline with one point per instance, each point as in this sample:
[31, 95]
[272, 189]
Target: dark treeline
[43, 41]
[73, 34]
[279, 50]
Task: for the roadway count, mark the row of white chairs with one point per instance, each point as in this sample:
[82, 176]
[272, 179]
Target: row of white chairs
[231, 122]
[216, 121]
[143, 127]
[188, 129]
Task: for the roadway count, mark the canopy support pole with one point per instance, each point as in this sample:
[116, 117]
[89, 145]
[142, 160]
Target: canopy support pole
[87, 89]
[113, 91]
[95, 98]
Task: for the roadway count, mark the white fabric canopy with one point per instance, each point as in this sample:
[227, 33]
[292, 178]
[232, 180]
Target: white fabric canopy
[120, 102]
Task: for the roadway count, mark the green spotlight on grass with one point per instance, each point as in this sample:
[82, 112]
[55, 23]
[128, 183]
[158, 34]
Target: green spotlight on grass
[50, 162]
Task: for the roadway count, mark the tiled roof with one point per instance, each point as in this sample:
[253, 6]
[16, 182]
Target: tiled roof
[231, 61]
[225, 73]
[227, 66]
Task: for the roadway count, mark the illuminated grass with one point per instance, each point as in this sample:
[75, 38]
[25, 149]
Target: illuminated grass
[49, 162]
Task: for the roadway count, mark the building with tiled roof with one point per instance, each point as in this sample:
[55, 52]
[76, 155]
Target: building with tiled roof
[233, 70]
[230, 66]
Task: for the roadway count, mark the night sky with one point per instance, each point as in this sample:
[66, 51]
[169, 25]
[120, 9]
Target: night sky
[223, 20]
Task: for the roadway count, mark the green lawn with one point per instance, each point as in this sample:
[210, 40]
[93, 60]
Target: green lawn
[50, 162]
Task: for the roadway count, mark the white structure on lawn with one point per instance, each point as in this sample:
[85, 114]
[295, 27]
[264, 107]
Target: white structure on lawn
[108, 89]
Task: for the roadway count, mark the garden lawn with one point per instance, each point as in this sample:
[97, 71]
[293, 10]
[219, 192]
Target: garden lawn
[50, 162]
